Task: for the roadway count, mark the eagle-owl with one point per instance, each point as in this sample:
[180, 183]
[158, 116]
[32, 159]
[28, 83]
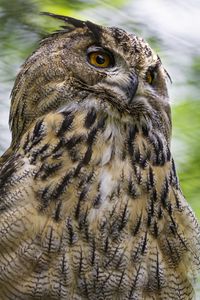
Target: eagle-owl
[90, 203]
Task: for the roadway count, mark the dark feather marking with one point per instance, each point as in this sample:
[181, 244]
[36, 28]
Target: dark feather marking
[145, 129]
[169, 208]
[86, 179]
[111, 258]
[132, 189]
[50, 169]
[124, 154]
[90, 141]
[66, 125]
[137, 227]
[63, 268]
[38, 130]
[7, 172]
[69, 20]
[57, 155]
[134, 283]
[175, 178]
[95, 29]
[36, 136]
[38, 152]
[120, 259]
[149, 218]
[45, 197]
[26, 143]
[173, 254]
[61, 241]
[154, 195]
[58, 211]
[156, 141]
[58, 146]
[78, 168]
[71, 232]
[97, 201]
[80, 261]
[158, 272]
[136, 155]
[160, 213]
[168, 153]
[121, 278]
[84, 285]
[44, 192]
[3, 207]
[143, 162]
[50, 239]
[164, 193]
[96, 275]
[90, 176]
[83, 193]
[71, 143]
[170, 178]
[35, 141]
[150, 213]
[39, 171]
[151, 180]
[144, 245]
[162, 158]
[60, 290]
[152, 206]
[169, 246]
[83, 220]
[148, 154]
[87, 156]
[176, 198]
[160, 143]
[90, 118]
[131, 137]
[62, 186]
[124, 218]
[175, 231]
[93, 132]
[81, 198]
[93, 251]
[106, 244]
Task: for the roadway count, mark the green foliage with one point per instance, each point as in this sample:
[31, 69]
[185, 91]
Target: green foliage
[186, 127]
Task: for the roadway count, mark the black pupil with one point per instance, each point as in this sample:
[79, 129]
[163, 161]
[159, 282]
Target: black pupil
[100, 59]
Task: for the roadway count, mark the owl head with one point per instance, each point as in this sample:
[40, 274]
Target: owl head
[91, 65]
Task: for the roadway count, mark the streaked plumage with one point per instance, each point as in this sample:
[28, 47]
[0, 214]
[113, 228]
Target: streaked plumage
[90, 203]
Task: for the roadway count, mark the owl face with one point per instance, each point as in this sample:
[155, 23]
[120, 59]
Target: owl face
[91, 65]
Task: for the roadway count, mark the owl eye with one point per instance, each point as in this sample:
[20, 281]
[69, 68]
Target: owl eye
[151, 76]
[100, 58]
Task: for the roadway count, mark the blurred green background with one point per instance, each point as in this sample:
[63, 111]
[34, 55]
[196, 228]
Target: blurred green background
[171, 27]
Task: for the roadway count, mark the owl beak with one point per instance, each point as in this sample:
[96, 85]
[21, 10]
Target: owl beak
[132, 87]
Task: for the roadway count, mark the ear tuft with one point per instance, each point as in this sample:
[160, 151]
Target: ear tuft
[71, 23]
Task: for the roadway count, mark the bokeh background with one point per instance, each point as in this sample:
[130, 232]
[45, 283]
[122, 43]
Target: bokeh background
[170, 26]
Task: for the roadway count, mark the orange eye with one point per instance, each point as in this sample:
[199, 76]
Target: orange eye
[149, 77]
[100, 59]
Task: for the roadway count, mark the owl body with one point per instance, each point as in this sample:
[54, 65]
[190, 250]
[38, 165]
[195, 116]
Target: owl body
[91, 207]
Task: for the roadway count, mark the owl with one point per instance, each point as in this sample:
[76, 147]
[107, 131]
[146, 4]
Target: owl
[90, 203]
